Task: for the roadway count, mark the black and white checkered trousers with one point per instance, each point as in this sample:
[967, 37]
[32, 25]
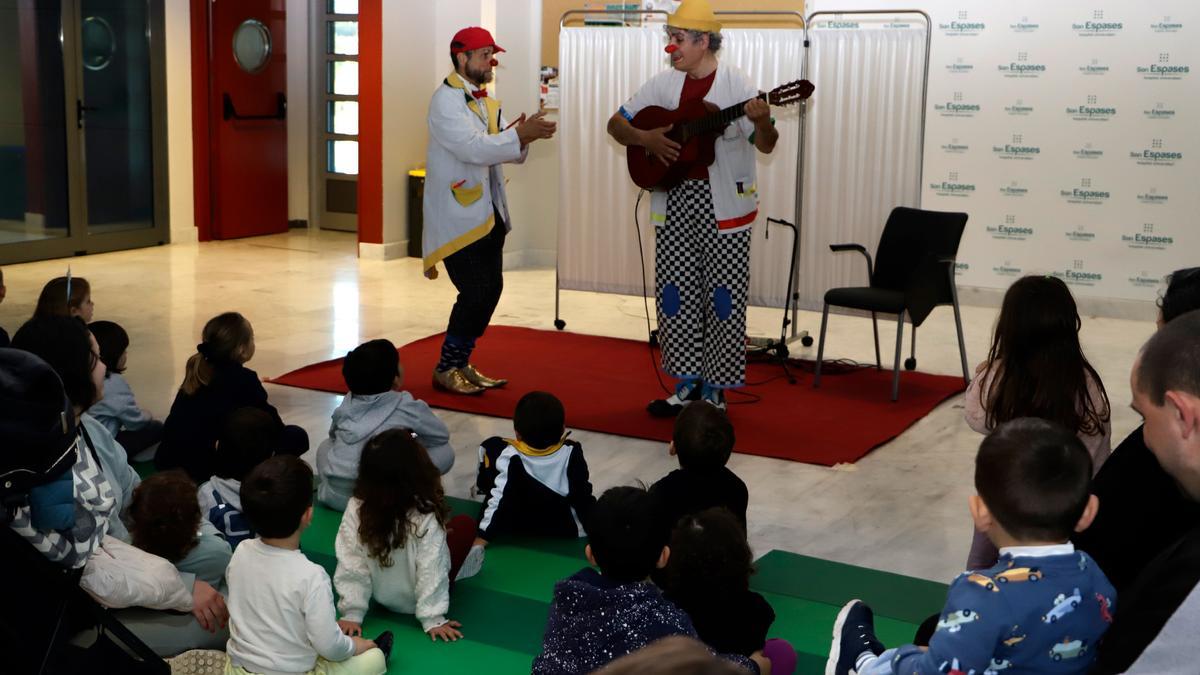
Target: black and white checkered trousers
[702, 281]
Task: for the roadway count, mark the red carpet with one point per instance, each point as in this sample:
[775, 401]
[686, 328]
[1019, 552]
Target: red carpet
[605, 384]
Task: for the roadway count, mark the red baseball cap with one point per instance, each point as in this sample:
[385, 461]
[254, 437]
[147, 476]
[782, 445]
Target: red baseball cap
[474, 38]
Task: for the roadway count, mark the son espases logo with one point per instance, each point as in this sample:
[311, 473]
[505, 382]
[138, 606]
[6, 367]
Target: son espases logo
[1091, 110]
[1153, 197]
[1023, 26]
[1078, 275]
[1008, 270]
[1019, 109]
[1144, 279]
[1159, 112]
[955, 147]
[952, 186]
[1094, 68]
[1085, 194]
[1080, 234]
[1014, 189]
[962, 26]
[1017, 149]
[960, 267]
[1147, 238]
[1162, 68]
[1097, 26]
[1087, 152]
[840, 25]
[957, 107]
[1010, 230]
[1021, 67]
[959, 67]
[1156, 155]
[1167, 25]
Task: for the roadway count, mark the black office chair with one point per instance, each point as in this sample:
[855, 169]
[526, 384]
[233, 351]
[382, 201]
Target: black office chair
[913, 273]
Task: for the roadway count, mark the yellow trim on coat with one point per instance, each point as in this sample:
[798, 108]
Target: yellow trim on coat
[462, 241]
[524, 449]
[493, 106]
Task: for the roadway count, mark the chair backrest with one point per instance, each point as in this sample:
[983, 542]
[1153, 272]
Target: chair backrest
[915, 253]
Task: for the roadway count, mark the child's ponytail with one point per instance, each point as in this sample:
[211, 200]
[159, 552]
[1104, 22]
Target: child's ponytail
[225, 340]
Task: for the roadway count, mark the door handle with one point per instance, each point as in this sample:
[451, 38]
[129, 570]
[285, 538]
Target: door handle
[80, 109]
[231, 113]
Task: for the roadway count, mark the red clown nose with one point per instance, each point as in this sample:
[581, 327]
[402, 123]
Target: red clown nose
[493, 63]
[671, 49]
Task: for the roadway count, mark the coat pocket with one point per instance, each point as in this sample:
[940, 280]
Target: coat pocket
[467, 195]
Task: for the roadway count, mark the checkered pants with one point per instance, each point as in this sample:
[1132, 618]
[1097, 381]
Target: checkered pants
[702, 280]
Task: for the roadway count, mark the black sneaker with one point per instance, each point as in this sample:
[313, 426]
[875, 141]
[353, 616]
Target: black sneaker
[384, 642]
[686, 391]
[853, 634]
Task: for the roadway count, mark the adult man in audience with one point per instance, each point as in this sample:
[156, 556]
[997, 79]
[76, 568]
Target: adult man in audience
[1158, 617]
[1141, 502]
[466, 210]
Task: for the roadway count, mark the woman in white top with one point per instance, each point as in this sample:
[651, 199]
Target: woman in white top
[397, 543]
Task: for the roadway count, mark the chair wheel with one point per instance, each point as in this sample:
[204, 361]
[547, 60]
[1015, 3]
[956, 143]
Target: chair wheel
[560, 324]
[910, 363]
[807, 341]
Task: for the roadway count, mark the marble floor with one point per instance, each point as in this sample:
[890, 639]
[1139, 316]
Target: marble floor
[901, 509]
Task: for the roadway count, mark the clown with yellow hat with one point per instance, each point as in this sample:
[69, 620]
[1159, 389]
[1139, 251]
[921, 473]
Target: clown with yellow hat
[702, 242]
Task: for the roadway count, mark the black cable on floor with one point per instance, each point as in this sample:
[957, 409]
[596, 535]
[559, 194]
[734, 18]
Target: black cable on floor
[637, 223]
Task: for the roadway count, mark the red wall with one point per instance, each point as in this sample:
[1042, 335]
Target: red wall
[370, 121]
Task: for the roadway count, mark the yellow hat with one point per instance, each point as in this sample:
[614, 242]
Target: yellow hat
[695, 15]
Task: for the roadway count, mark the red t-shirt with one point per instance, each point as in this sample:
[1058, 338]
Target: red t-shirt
[694, 90]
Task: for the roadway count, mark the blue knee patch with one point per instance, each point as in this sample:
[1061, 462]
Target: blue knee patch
[670, 300]
[722, 303]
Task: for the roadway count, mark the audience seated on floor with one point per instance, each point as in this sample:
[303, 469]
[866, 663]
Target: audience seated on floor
[536, 484]
[248, 438]
[1158, 617]
[1036, 368]
[165, 520]
[702, 441]
[376, 402]
[1043, 606]
[1145, 511]
[281, 613]
[397, 543]
[135, 429]
[67, 296]
[604, 612]
[216, 383]
[92, 535]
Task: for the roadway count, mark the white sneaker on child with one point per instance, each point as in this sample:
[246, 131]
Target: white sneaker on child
[472, 563]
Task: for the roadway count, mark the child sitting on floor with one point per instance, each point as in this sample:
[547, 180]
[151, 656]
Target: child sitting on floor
[218, 382]
[66, 296]
[281, 615]
[166, 521]
[1043, 607]
[1036, 368]
[135, 429]
[599, 616]
[247, 440]
[397, 543]
[703, 441]
[375, 403]
[708, 576]
[538, 483]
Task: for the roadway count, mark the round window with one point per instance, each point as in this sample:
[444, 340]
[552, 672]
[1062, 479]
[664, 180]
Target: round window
[252, 45]
[99, 43]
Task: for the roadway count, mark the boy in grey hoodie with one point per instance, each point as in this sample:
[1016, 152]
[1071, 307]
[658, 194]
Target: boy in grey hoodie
[375, 403]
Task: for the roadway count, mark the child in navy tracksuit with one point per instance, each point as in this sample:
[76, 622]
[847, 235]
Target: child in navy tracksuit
[1043, 607]
[247, 440]
[536, 484]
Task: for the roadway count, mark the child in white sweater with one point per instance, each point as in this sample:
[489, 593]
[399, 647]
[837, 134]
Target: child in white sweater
[396, 543]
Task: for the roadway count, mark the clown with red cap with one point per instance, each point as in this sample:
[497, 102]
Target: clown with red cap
[702, 225]
[465, 207]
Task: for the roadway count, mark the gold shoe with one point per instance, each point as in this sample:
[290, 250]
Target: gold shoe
[479, 379]
[455, 382]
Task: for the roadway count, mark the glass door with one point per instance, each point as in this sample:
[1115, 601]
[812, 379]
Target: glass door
[82, 141]
[337, 111]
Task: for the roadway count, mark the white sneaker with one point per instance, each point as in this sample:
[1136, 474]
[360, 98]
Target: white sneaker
[472, 563]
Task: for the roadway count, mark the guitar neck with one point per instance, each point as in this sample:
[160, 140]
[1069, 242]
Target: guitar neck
[720, 119]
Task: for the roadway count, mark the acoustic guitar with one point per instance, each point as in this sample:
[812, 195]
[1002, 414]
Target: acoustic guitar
[695, 127]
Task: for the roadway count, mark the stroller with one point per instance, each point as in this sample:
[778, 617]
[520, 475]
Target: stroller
[44, 607]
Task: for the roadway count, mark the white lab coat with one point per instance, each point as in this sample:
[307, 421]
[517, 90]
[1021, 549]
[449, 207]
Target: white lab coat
[468, 142]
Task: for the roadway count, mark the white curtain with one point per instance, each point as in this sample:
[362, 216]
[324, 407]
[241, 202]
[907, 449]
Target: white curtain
[861, 159]
[862, 147]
